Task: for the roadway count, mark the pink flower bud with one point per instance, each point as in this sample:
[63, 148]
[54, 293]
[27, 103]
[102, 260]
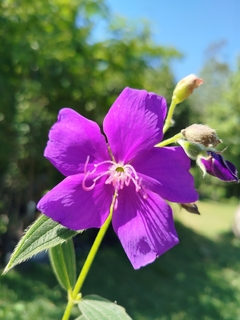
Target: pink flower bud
[185, 87]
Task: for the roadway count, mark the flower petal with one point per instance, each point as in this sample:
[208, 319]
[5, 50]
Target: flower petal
[217, 166]
[134, 123]
[75, 208]
[166, 172]
[71, 140]
[144, 226]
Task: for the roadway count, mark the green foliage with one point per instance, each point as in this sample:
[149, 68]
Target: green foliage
[63, 262]
[94, 307]
[43, 234]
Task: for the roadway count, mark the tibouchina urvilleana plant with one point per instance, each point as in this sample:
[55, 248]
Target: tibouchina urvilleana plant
[126, 176]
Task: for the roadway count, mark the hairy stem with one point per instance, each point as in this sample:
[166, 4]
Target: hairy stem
[170, 140]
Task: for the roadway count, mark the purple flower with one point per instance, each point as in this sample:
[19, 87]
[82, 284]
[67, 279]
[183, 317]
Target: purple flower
[218, 167]
[128, 165]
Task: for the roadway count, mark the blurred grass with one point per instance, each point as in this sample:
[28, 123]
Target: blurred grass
[197, 279]
[215, 219]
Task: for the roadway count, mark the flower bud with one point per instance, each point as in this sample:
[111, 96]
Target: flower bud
[220, 168]
[203, 134]
[209, 160]
[185, 87]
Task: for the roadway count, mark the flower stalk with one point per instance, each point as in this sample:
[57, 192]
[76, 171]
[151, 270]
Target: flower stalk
[168, 122]
[173, 139]
[73, 295]
[182, 91]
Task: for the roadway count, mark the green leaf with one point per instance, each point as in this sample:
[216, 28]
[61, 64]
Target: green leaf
[63, 262]
[94, 307]
[43, 234]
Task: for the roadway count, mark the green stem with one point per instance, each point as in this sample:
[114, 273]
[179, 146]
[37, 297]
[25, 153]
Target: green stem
[73, 295]
[168, 121]
[170, 140]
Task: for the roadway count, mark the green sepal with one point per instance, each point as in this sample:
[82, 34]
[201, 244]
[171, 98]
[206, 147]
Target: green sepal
[43, 234]
[63, 261]
[95, 307]
[193, 150]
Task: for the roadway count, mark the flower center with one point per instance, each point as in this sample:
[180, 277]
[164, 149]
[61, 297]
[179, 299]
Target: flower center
[119, 175]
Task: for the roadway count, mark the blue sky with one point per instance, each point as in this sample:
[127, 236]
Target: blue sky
[191, 26]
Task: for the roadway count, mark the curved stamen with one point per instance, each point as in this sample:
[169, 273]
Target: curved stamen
[84, 183]
[96, 165]
[86, 164]
[101, 175]
[128, 166]
[134, 180]
[88, 173]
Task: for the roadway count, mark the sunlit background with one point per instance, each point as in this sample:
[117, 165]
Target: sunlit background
[198, 29]
[81, 54]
